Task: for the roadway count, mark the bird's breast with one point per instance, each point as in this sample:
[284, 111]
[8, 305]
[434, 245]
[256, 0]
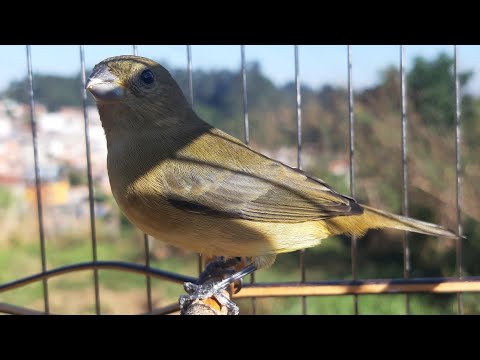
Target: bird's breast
[138, 186]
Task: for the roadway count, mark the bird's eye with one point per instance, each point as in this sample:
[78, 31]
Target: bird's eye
[147, 77]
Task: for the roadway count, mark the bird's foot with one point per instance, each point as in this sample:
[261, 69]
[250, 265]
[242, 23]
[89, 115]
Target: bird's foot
[205, 291]
[209, 287]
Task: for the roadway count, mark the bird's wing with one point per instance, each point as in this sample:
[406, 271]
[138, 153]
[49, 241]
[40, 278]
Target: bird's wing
[266, 191]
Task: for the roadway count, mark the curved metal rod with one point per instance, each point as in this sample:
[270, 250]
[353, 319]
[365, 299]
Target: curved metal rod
[19, 310]
[112, 265]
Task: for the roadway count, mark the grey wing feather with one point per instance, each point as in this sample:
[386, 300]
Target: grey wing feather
[243, 194]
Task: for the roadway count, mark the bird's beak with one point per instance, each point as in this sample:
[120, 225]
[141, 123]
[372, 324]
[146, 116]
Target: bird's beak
[104, 86]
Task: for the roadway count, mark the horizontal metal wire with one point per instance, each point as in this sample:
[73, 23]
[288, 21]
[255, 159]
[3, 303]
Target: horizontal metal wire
[362, 287]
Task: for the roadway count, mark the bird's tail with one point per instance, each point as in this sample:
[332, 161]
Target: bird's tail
[372, 218]
[382, 219]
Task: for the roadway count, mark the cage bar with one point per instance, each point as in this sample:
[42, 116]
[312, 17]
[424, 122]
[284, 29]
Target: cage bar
[41, 228]
[458, 176]
[91, 203]
[404, 137]
[351, 141]
[146, 244]
[190, 99]
[298, 103]
[246, 138]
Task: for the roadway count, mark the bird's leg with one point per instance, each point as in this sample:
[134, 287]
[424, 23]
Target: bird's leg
[218, 267]
[214, 289]
[237, 276]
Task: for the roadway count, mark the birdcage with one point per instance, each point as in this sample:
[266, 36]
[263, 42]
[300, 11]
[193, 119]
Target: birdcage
[355, 287]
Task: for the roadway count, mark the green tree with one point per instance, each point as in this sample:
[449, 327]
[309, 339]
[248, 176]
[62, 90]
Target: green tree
[432, 92]
[54, 91]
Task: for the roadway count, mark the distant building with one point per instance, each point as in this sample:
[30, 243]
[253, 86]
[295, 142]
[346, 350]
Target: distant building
[11, 162]
[54, 190]
[61, 145]
[54, 193]
[5, 126]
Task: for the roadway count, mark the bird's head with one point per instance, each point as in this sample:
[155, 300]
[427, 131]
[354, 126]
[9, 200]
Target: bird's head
[139, 88]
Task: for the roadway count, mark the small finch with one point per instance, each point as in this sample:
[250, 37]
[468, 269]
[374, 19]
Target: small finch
[183, 181]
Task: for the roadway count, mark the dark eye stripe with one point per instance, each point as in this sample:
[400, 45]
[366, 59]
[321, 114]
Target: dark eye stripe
[147, 77]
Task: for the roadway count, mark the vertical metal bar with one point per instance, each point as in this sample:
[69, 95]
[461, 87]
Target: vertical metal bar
[245, 99]
[299, 158]
[41, 229]
[246, 139]
[404, 134]
[299, 109]
[190, 76]
[93, 232]
[351, 131]
[148, 279]
[190, 98]
[458, 176]
[146, 245]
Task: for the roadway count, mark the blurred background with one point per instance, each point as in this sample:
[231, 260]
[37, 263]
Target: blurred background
[217, 92]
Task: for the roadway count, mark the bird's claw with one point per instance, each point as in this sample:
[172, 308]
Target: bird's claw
[205, 291]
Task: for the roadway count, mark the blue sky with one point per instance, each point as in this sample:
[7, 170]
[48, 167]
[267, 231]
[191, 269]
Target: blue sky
[319, 64]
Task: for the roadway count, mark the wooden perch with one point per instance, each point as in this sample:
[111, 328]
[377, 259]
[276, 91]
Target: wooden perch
[208, 306]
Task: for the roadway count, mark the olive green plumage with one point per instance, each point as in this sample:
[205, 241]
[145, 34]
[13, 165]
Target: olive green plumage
[185, 182]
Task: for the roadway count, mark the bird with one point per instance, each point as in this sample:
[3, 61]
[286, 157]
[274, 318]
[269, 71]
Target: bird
[183, 181]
